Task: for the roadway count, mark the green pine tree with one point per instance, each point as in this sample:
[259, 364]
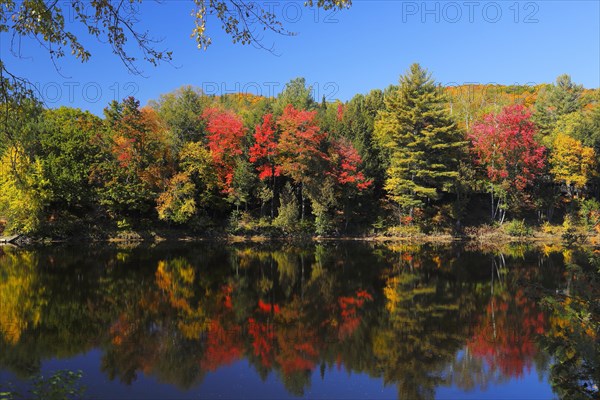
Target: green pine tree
[419, 140]
[556, 100]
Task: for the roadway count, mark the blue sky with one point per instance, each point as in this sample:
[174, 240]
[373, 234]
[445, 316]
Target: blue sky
[353, 51]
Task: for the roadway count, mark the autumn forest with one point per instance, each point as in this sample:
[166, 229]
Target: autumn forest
[407, 160]
[430, 229]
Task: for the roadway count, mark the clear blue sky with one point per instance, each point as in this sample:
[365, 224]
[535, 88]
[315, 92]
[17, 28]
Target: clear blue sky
[354, 51]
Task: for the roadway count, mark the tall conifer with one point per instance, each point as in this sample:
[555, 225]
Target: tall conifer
[421, 143]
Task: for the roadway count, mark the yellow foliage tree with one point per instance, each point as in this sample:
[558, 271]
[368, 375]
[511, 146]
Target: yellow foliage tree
[23, 191]
[572, 163]
[189, 190]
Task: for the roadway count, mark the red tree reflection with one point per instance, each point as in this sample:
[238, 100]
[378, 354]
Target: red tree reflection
[505, 335]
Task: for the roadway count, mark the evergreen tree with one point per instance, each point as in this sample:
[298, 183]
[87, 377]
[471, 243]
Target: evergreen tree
[296, 93]
[589, 125]
[561, 98]
[421, 143]
[180, 110]
[358, 123]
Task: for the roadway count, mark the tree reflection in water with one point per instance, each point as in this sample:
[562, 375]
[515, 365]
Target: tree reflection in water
[417, 317]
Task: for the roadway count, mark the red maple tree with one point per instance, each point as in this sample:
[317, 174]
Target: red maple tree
[226, 131]
[264, 149]
[300, 142]
[504, 144]
[345, 162]
[340, 112]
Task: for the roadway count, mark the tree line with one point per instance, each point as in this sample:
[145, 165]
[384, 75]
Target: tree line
[415, 156]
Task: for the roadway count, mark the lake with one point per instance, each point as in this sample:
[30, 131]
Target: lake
[323, 320]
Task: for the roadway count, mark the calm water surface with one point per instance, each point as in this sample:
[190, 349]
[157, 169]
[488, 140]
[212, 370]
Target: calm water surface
[334, 320]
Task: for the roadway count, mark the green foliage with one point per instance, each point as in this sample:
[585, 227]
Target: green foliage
[235, 220]
[67, 153]
[287, 213]
[588, 126]
[589, 213]
[517, 228]
[561, 98]
[323, 221]
[571, 125]
[297, 93]
[380, 223]
[244, 180]
[44, 177]
[20, 112]
[180, 110]
[323, 201]
[124, 194]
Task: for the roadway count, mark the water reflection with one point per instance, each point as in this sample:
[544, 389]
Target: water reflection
[419, 318]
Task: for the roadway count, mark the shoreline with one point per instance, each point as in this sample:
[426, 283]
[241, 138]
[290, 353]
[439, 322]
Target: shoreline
[494, 238]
